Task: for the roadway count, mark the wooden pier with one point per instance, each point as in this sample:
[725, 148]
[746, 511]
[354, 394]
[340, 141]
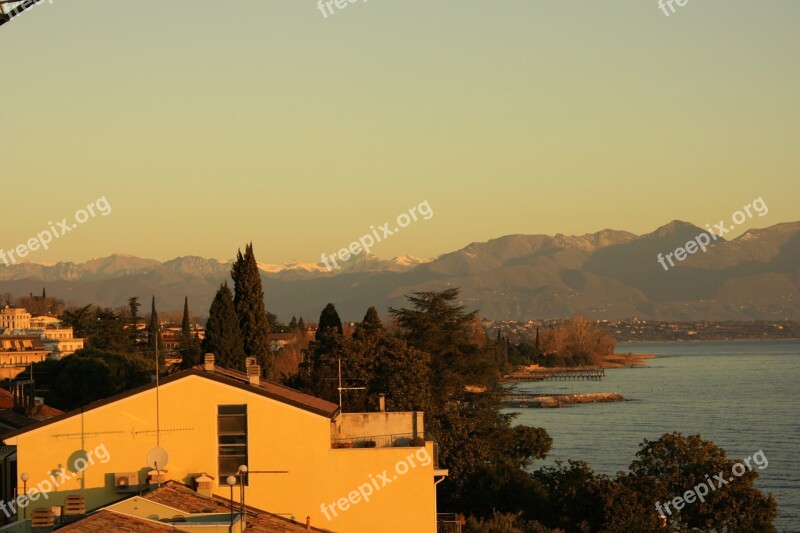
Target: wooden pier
[579, 373]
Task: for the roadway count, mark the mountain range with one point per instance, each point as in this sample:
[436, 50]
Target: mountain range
[609, 274]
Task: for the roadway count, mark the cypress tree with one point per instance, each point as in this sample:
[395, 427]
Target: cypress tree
[153, 334]
[293, 323]
[248, 302]
[329, 322]
[186, 329]
[370, 326]
[223, 337]
[133, 305]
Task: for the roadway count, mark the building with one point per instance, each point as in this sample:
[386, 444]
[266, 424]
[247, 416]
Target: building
[174, 506]
[60, 341]
[346, 472]
[19, 351]
[44, 321]
[14, 318]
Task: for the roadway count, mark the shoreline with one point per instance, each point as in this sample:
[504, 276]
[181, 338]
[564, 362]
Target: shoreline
[549, 401]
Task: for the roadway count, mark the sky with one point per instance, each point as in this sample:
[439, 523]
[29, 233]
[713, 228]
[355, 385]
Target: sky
[206, 125]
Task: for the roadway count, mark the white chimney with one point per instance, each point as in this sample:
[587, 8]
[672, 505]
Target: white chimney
[204, 484]
[382, 402]
[254, 374]
[208, 362]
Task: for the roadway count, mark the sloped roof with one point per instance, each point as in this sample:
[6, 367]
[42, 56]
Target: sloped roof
[226, 376]
[104, 521]
[179, 496]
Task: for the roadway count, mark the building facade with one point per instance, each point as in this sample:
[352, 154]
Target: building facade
[344, 472]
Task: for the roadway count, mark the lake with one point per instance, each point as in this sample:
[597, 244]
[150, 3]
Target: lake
[743, 395]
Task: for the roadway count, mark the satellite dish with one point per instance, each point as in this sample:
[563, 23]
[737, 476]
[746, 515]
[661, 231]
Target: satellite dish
[157, 458]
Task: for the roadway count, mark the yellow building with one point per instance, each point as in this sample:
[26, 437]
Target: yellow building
[346, 472]
[60, 341]
[14, 318]
[19, 351]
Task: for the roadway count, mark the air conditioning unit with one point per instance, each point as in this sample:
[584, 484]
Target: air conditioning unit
[126, 482]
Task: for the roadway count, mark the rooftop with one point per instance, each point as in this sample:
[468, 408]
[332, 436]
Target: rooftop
[193, 508]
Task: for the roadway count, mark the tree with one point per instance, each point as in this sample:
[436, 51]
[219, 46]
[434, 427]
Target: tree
[329, 322]
[223, 336]
[133, 307]
[371, 326]
[293, 323]
[80, 320]
[89, 375]
[248, 303]
[189, 345]
[671, 465]
[402, 373]
[476, 441]
[154, 341]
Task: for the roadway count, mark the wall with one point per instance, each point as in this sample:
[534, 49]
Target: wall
[280, 437]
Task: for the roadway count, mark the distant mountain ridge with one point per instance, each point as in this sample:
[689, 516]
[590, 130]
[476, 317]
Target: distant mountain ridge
[607, 274]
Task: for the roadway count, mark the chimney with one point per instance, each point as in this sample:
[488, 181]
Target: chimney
[254, 372]
[208, 362]
[308, 523]
[156, 476]
[204, 484]
[382, 402]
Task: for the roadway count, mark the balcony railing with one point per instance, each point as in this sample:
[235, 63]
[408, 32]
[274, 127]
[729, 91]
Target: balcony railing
[449, 523]
[399, 440]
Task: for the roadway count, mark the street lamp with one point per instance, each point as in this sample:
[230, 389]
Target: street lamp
[24, 478]
[242, 478]
[231, 480]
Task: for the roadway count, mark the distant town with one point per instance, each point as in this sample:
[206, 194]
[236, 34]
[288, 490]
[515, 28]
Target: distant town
[636, 330]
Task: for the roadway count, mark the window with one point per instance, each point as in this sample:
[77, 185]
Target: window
[232, 439]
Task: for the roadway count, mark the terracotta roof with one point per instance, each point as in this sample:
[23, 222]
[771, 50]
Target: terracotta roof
[221, 375]
[177, 495]
[104, 521]
[278, 392]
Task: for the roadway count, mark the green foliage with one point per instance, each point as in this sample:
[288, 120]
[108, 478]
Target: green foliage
[155, 343]
[103, 328]
[371, 326]
[477, 443]
[88, 375]
[329, 323]
[250, 310]
[505, 523]
[189, 345]
[668, 467]
[223, 337]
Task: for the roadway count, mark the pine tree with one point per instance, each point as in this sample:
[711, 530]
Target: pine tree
[248, 303]
[293, 323]
[223, 337]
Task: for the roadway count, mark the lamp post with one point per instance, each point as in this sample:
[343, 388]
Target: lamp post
[242, 478]
[231, 480]
[24, 478]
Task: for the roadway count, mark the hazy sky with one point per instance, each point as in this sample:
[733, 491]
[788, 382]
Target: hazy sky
[210, 124]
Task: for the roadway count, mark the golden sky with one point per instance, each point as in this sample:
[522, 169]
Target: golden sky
[208, 124]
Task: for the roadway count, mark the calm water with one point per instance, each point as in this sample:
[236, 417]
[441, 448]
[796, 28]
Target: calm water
[741, 395]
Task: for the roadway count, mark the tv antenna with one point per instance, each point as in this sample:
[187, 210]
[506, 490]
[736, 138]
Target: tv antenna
[341, 388]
